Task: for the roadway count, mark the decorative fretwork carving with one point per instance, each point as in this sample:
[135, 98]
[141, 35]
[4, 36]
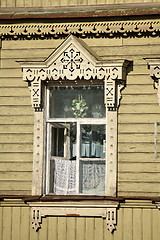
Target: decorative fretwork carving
[72, 61]
[154, 66]
[106, 211]
[108, 29]
[36, 219]
[111, 218]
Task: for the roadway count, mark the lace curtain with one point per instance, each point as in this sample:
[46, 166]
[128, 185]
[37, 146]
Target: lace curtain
[92, 177]
[65, 177]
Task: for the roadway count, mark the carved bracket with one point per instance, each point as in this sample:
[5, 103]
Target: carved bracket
[111, 218]
[74, 61]
[107, 211]
[154, 66]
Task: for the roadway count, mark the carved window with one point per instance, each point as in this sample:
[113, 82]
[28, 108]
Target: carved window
[81, 89]
[76, 133]
[75, 130]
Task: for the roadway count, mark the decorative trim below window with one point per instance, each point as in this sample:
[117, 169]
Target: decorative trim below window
[154, 66]
[107, 211]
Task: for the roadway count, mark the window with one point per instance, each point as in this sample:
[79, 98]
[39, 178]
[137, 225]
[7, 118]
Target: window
[78, 135]
[79, 154]
[76, 140]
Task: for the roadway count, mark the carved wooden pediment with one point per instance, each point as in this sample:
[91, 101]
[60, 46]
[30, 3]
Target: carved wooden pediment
[73, 60]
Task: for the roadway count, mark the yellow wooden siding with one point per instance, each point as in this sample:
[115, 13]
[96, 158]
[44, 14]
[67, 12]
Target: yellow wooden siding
[138, 111]
[16, 131]
[50, 3]
[132, 224]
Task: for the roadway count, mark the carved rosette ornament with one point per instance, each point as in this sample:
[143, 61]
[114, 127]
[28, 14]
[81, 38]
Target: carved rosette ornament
[154, 66]
[74, 61]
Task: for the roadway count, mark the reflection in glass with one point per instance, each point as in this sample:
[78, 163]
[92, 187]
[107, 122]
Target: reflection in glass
[63, 140]
[92, 141]
[77, 102]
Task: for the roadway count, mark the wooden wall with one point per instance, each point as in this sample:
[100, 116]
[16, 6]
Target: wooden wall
[138, 169]
[132, 224]
[49, 3]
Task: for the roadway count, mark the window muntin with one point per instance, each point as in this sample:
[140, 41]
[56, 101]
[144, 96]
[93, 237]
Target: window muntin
[76, 152]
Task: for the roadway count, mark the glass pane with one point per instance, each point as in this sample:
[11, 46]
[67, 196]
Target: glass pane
[57, 142]
[92, 177]
[92, 141]
[77, 102]
[63, 140]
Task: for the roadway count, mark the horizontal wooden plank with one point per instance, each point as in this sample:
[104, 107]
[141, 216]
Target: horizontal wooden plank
[140, 108]
[137, 157]
[16, 110]
[17, 176]
[138, 78]
[136, 137]
[16, 157]
[23, 119]
[137, 193]
[14, 91]
[136, 127]
[139, 187]
[135, 147]
[140, 89]
[15, 192]
[10, 101]
[18, 53]
[15, 185]
[16, 128]
[139, 120]
[139, 98]
[140, 41]
[131, 51]
[17, 147]
[139, 176]
[16, 138]
[11, 72]
[16, 166]
[12, 82]
[138, 167]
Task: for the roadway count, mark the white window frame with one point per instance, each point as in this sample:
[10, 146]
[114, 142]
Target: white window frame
[79, 121]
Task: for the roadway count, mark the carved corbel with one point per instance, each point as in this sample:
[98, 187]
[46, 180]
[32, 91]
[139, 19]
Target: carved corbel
[36, 218]
[115, 81]
[154, 66]
[111, 218]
